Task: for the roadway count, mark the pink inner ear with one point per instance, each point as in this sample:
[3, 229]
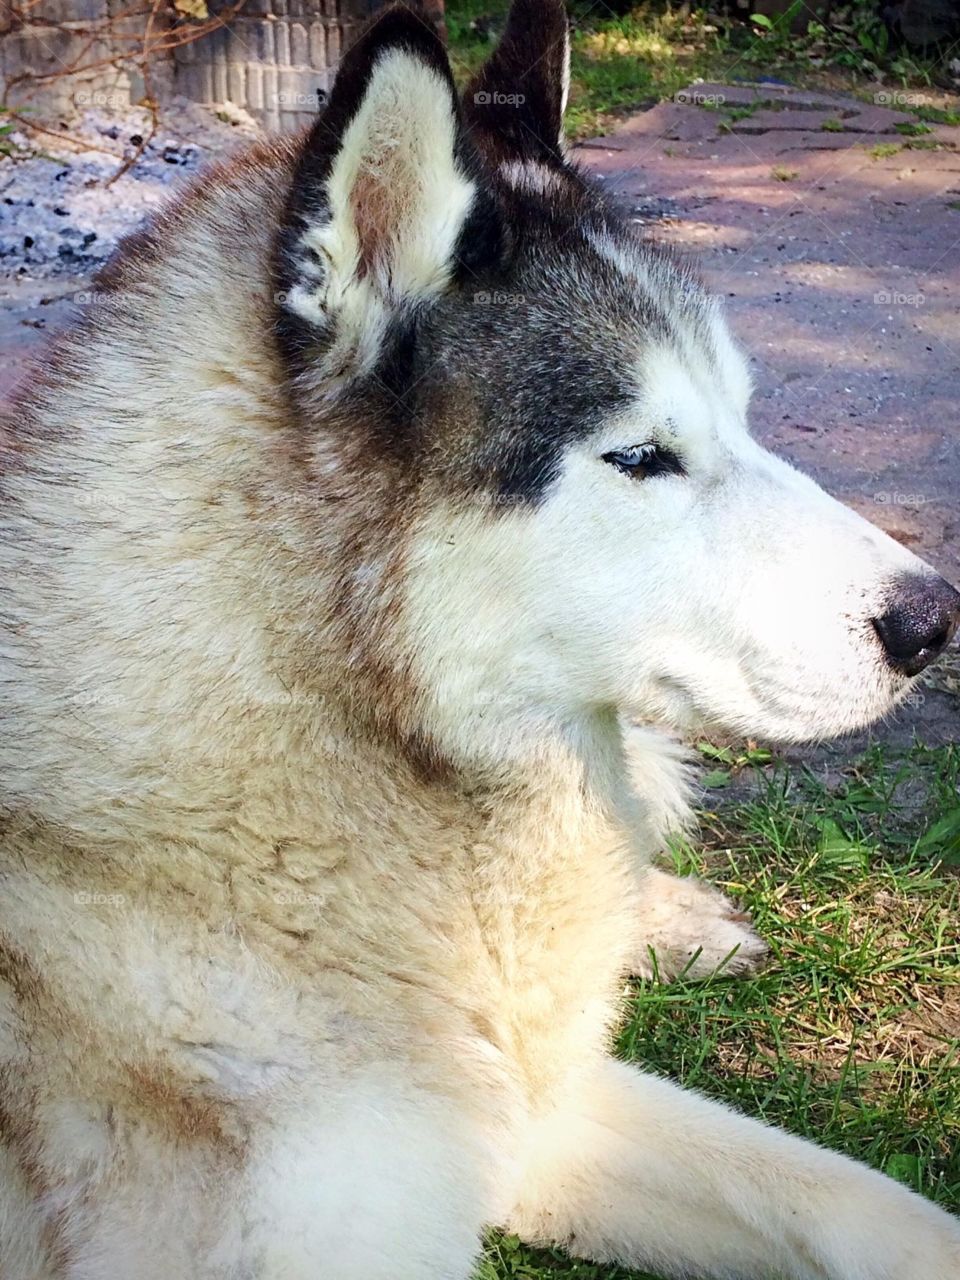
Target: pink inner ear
[374, 206]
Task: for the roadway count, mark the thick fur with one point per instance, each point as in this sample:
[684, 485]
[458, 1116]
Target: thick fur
[340, 669]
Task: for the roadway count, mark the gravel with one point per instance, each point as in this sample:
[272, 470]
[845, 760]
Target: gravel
[58, 216]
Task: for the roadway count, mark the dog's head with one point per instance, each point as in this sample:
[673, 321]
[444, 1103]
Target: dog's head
[550, 416]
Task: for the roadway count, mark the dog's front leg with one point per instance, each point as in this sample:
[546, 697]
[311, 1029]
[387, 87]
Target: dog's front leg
[688, 927]
[643, 1173]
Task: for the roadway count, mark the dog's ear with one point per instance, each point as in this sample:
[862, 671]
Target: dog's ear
[381, 195]
[515, 104]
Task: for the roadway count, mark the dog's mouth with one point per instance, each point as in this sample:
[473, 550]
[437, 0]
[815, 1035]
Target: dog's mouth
[762, 700]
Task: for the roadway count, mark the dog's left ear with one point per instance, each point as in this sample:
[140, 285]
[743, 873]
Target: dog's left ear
[380, 196]
[515, 104]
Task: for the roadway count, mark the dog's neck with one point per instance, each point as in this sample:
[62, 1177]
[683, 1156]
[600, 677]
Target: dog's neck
[302, 779]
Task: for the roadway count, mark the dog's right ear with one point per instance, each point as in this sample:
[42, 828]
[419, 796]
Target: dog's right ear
[380, 199]
[515, 103]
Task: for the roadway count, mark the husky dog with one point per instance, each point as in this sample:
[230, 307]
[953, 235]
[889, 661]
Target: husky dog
[392, 480]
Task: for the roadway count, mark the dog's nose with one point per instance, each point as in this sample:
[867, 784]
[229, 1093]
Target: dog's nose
[919, 623]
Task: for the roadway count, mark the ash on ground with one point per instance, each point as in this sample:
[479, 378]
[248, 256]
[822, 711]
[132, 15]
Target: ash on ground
[61, 216]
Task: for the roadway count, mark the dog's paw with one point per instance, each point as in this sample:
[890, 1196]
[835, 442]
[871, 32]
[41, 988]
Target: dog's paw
[877, 1229]
[693, 930]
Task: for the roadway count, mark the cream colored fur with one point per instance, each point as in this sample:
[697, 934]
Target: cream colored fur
[276, 1005]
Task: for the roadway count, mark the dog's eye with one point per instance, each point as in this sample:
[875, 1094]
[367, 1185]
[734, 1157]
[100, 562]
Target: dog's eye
[641, 461]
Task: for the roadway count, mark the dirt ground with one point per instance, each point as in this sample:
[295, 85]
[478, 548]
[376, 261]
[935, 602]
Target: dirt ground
[834, 238]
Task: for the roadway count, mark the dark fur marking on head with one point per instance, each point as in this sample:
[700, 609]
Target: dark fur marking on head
[514, 105]
[485, 240]
[480, 391]
[536, 341]
[391, 397]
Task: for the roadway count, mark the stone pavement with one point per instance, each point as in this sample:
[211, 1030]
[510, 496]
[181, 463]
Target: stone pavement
[835, 240]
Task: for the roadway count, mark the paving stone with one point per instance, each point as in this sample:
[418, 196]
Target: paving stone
[871, 120]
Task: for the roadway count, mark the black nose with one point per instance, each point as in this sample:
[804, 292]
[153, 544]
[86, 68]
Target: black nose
[918, 623]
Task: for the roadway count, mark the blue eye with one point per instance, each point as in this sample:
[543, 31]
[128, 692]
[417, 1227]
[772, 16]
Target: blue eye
[643, 461]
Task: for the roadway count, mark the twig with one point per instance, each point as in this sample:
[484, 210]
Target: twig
[62, 136]
[145, 141]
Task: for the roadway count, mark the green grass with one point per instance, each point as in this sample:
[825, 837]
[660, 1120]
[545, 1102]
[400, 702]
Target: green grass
[6, 128]
[618, 64]
[622, 63]
[936, 115]
[852, 1035]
